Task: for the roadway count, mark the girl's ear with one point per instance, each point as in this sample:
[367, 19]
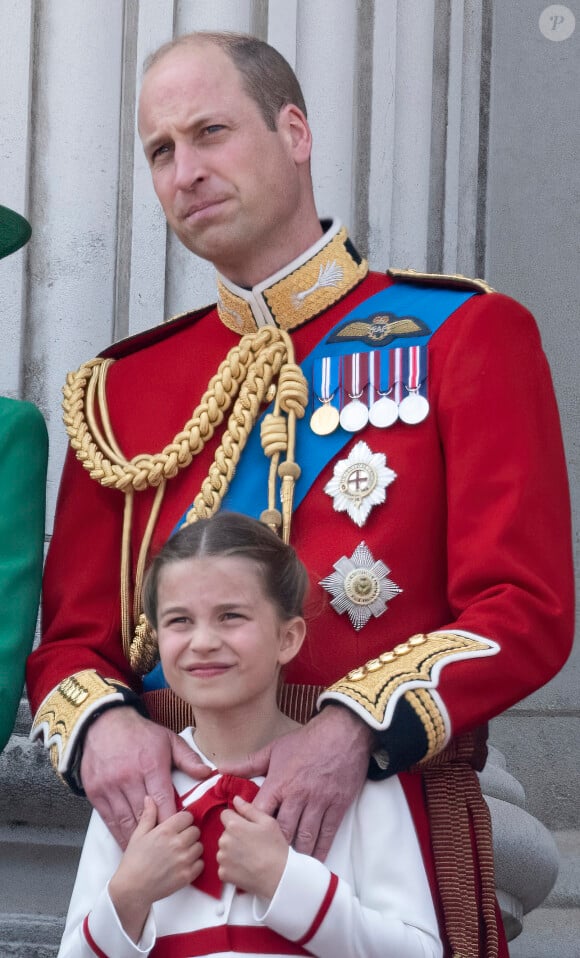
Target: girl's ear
[292, 635]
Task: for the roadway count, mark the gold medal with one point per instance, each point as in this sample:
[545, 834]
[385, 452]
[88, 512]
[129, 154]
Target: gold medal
[324, 420]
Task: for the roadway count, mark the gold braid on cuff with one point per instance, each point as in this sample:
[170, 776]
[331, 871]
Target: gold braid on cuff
[61, 720]
[411, 670]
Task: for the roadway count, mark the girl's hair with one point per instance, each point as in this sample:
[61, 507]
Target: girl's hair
[284, 577]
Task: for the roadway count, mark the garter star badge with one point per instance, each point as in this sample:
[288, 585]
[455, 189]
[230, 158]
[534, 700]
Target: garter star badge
[359, 482]
[360, 586]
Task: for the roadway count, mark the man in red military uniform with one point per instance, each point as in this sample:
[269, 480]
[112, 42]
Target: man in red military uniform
[436, 533]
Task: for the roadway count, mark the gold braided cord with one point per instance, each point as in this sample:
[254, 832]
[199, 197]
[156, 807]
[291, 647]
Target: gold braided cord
[247, 373]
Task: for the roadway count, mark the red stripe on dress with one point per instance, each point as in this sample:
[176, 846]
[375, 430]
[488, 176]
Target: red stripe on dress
[244, 939]
[326, 903]
[91, 941]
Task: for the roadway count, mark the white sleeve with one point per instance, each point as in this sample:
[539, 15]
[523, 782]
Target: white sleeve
[92, 925]
[384, 910]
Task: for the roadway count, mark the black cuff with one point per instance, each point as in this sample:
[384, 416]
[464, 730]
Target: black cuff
[72, 776]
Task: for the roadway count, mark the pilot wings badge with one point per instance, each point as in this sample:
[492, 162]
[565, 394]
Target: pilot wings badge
[379, 329]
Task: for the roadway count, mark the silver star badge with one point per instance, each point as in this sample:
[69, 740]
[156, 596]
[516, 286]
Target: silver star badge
[360, 586]
[360, 482]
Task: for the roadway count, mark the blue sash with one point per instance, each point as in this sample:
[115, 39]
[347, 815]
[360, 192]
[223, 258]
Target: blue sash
[432, 305]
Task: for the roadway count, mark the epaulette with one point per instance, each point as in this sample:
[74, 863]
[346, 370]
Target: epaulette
[132, 344]
[451, 280]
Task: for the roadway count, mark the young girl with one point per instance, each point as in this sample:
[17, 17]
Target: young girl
[225, 598]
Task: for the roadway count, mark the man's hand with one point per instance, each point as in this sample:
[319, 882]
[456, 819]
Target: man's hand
[158, 861]
[252, 850]
[312, 776]
[125, 758]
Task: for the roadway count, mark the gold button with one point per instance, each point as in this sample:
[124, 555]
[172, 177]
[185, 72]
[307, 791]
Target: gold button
[356, 675]
[373, 665]
[401, 649]
[418, 640]
[387, 657]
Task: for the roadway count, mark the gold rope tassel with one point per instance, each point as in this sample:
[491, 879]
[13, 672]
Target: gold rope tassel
[244, 379]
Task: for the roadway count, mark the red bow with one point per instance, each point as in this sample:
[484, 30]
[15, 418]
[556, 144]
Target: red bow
[206, 813]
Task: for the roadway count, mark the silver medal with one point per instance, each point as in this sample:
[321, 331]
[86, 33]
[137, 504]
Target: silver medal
[383, 413]
[354, 416]
[413, 409]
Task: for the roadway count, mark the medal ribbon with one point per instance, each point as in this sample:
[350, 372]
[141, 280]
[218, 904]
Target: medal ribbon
[325, 379]
[415, 370]
[355, 376]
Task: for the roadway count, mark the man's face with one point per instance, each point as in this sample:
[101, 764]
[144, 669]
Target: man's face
[229, 186]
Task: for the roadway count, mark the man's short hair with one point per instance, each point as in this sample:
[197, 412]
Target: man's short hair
[266, 76]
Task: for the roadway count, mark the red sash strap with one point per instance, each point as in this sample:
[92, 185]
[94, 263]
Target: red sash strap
[242, 939]
[461, 839]
[206, 813]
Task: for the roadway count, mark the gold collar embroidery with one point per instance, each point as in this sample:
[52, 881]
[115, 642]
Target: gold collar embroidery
[305, 288]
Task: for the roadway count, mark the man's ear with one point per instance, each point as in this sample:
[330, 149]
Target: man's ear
[292, 635]
[293, 125]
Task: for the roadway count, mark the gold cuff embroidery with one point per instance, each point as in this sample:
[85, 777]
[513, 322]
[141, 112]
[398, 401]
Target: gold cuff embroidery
[61, 716]
[412, 670]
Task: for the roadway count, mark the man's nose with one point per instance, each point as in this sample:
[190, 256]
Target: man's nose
[189, 166]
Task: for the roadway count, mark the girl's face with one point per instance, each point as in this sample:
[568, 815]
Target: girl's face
[221, 640]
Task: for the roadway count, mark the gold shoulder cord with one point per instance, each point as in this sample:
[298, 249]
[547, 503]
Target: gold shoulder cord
[247, 376]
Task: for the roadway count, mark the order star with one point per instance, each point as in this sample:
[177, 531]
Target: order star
[359, 482]
[360, 586]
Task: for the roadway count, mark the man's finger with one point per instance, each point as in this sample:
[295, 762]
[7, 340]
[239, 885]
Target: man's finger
[186, 760]
[121, 819]
[159, 785]
[288, 817]
[256, 764]
[328, 828]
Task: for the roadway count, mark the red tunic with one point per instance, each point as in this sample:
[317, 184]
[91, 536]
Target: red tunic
[475, 528]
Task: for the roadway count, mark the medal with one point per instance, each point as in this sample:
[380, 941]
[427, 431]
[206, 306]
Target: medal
[360, 586]
[354, 414]
[414, 407]
[383, 411]
[359, 482]
[325, 417]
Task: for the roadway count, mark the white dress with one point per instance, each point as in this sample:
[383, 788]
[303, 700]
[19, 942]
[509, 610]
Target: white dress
[369, 899]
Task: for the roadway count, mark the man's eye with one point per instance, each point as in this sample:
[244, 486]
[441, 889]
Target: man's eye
[159, 151]
[213, 128]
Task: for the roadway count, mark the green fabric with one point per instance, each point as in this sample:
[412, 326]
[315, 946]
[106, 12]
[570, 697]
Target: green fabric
[23, 458]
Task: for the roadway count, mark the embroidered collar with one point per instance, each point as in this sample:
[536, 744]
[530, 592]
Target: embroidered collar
[302, 290]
